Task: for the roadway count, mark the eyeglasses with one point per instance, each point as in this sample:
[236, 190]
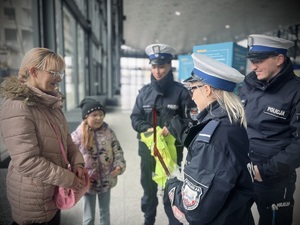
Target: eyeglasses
[56, 74]
[192, 88]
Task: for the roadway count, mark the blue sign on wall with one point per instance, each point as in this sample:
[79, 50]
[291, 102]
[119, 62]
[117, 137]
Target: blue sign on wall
[185, 66]
[220, 51]
[229, 53]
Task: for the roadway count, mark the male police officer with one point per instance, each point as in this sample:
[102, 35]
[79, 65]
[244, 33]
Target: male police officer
[163, 92]
[271, 95]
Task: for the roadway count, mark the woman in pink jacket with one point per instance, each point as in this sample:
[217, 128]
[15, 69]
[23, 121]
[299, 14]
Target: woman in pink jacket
[31, 103]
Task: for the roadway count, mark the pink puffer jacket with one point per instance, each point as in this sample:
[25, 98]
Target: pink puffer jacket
[37, 165]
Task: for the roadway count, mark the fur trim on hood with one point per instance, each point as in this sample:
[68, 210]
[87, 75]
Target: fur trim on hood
[13, 88]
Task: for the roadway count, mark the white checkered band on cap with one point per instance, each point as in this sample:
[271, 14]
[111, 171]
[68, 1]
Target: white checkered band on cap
[215, 73]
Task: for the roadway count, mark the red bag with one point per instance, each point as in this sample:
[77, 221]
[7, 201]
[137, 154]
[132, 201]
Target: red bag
[66, 198]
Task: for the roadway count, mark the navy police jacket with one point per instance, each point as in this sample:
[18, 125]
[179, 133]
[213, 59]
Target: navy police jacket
[162, 94]
[218, 175]
[273, 117]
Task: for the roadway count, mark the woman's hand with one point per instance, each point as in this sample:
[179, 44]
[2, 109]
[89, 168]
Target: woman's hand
[150, 130]
[80, 178]
[116, 171]
[164, 131]
[78, 184]
[79, 172]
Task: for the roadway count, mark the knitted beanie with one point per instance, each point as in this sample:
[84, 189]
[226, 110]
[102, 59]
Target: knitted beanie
[89, 105]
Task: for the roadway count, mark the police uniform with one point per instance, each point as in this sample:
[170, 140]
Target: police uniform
[273, 114]
[217, 184]
[162, 94]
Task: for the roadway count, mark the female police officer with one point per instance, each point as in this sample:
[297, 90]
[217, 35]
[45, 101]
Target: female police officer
[163, 92]
[217, 185]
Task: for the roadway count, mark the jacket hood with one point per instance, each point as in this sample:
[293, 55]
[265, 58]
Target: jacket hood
[12, 88]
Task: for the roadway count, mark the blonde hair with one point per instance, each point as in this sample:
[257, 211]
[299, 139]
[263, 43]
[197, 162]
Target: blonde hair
[233, 106]
[41, 58]
[87, 135]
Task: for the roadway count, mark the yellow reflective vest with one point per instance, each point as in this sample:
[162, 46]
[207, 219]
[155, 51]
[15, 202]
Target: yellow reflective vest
[167, 149]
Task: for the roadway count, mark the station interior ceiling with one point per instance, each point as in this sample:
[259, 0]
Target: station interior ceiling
[184, 24]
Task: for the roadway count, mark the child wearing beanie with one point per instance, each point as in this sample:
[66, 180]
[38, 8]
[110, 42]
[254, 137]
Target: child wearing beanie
[104, 159]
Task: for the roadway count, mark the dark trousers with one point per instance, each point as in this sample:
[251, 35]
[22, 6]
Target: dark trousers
[54, 221]
[275, 200]
[149, 199]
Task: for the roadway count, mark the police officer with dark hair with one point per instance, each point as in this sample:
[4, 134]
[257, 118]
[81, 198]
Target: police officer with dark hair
[271, 95]
[217, 185]
[162, 93]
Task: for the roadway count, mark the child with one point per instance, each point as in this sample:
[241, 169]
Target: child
[103, 158]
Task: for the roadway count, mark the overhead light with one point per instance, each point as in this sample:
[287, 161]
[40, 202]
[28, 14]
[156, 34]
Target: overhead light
[204, 38]
[227, 26]
[177, 13]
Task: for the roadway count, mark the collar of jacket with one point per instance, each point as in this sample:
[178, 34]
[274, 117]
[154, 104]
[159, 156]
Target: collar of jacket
[213, 111]
[12, 88]
[163, 84]
[285, 73]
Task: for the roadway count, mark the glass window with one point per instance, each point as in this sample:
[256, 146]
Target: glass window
[81, 62]
[76, 61]
[15, 35]
[70, 59]
[11, 35]
[15, 39]
[135, 73]
[9, 13]
[95, 17]
[81, 4]
[96, 78]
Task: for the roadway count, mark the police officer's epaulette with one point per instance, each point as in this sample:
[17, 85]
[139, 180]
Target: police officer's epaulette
[207, 132]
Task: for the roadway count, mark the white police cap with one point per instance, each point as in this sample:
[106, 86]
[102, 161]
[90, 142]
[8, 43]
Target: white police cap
[262, 46]
[214, 73]
[160, 53]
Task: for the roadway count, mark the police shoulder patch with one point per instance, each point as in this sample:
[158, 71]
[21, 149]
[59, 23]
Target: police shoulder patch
[191, 195]
[207, 132]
